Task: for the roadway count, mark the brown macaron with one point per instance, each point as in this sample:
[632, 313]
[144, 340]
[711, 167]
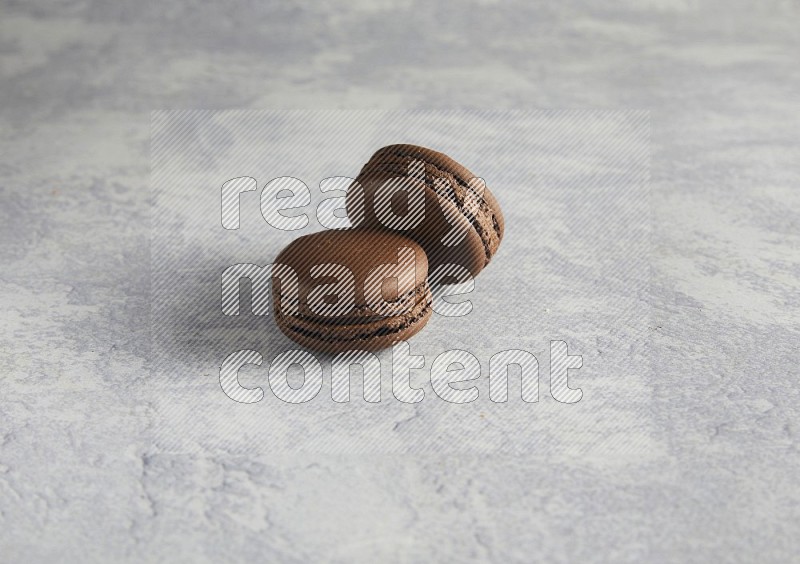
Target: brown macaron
[462, 223]
[351, 289]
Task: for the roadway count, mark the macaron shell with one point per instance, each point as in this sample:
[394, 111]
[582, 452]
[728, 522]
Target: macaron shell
[443, 162]
[442, 218]
[360, 251]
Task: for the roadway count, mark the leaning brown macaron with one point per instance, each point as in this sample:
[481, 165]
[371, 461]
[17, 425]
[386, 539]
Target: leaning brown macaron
[462, 223]
[343, 290]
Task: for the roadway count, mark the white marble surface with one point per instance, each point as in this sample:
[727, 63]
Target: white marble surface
[81, 476]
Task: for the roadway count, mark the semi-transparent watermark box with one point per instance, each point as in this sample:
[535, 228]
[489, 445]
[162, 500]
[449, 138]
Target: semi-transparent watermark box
[565, 295]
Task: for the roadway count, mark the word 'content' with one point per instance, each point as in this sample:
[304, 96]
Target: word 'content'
[448, 368]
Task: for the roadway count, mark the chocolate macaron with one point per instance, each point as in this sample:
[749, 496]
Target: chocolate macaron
[448, 210]
[343, 290]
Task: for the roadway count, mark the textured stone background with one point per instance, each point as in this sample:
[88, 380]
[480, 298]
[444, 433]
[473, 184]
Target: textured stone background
[81, 478]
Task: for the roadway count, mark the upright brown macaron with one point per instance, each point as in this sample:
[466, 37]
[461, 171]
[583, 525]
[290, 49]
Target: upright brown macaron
[462, 222]
[361, 289]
